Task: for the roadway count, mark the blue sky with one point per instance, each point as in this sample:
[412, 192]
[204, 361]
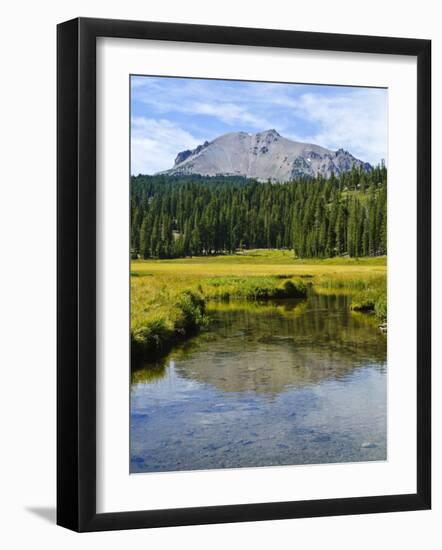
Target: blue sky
[169, 115]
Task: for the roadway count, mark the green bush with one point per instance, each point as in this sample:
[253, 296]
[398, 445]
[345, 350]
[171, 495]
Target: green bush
[192, 312]
[292, 289]
[153, 337]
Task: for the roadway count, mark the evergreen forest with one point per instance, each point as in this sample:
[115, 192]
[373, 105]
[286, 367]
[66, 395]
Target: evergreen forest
[183, 216]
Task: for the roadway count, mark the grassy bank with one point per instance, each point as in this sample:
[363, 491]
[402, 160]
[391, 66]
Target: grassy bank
[169, 297]
[369, 293]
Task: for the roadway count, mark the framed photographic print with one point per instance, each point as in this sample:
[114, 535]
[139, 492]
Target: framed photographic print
[243, 274]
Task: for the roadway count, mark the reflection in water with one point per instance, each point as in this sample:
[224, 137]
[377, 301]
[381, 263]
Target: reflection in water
[290, 382]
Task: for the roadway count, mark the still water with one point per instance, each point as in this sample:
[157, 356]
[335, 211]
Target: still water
[289, 382]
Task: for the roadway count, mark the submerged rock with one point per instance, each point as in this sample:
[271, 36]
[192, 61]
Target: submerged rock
[368, 445]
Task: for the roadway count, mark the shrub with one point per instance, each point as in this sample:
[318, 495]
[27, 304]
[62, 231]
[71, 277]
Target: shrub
[152, 337]
[192, 311]
[292, 289]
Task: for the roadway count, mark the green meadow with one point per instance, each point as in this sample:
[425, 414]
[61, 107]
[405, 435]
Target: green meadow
[169, 298]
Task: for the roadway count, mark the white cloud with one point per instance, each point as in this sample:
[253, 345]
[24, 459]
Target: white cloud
[196, 97]
[229, 113]
[356, 121]
[155, 144]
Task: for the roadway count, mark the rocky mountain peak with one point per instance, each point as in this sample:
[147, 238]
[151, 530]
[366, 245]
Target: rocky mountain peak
[263, 156]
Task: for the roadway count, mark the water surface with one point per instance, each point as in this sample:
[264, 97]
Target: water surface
[289, 382]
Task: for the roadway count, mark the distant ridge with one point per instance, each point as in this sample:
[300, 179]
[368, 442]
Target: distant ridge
[263, 156]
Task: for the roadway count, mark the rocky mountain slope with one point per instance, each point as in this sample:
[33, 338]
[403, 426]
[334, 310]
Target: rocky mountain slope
[263, 156]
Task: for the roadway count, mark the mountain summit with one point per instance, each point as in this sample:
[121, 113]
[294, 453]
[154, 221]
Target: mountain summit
[263, 156]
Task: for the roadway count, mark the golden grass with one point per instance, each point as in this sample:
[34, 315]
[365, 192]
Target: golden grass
[197, 269]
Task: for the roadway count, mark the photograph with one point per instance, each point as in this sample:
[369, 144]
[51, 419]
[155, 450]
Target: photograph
[227, 235]
[258, 274]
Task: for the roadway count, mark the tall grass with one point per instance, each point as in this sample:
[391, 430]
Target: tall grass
[155, 334]
[369, 293]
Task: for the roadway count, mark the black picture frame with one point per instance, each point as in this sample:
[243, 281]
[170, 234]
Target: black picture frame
[76, 274]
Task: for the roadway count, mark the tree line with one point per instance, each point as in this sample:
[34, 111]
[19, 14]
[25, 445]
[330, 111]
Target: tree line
[183, 216]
